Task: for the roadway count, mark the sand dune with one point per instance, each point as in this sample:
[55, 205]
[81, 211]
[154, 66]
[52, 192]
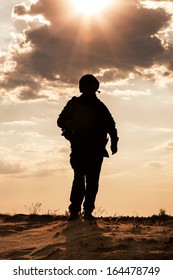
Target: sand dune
[46, 238]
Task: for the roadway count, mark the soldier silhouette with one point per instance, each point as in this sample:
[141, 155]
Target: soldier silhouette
[86, 122]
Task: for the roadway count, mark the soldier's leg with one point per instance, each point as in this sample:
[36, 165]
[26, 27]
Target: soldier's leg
[92, 183]
[78, 186]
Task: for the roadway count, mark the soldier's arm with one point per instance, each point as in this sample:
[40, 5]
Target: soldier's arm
[65, 119]
[113, 135]
[112, 131]
[66, 115]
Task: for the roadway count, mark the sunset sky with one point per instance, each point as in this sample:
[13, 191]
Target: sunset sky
[45, 47]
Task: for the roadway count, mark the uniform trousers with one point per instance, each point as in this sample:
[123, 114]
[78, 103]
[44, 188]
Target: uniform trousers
[86, 181]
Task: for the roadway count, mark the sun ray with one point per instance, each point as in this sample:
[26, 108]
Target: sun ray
[90, 8]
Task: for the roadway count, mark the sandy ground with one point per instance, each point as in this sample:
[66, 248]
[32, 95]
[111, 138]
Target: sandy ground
[54, 238]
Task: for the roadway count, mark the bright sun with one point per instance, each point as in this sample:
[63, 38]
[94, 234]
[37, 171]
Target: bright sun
[90, 7]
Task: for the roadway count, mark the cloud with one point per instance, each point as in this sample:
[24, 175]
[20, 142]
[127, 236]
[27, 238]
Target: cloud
[4, 151]
[18, 123]
[44, 168]
[163, 129]
[20, 9]
[166, 147]
[58, 151]
[63, 46]
[130, 93]
[160, 0]
[28, 93]
[7, 167]
[155, 164]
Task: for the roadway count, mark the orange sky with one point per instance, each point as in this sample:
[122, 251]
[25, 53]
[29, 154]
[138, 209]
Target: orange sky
[45, 49]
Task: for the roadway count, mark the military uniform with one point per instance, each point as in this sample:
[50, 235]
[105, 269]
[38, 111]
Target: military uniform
[86, 122]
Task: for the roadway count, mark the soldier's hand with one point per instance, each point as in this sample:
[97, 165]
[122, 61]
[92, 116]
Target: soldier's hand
[114, 149]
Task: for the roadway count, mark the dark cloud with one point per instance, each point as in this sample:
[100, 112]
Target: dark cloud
[123, 38]
[27, 94]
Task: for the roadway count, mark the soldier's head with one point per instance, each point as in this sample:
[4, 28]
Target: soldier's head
[88, 84]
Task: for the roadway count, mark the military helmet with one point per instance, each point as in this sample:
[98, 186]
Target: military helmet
[88, 83]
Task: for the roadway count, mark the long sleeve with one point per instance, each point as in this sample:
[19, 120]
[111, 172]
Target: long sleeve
[67, 114]
[65, 119]
[110, 126]
[111, 129]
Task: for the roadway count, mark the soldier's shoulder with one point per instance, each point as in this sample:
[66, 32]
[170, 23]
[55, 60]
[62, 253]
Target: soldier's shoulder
[101, 104]
[72, 100]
